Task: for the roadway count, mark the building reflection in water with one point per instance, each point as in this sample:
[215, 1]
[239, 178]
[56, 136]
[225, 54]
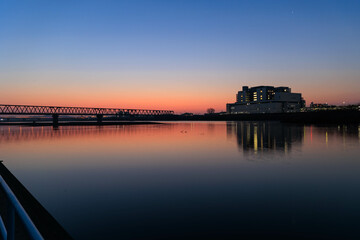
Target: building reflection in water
[267, 136]
[252, 137]
[260, 136]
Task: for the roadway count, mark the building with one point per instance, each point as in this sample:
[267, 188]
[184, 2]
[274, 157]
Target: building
[266, 99]
[318, 105]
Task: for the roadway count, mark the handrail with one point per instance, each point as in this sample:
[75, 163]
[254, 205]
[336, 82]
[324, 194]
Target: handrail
[15, 207]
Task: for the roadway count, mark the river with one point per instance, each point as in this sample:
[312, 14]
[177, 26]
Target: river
[187, 180]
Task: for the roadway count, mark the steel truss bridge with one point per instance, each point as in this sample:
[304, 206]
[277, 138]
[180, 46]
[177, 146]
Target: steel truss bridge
[55, 111]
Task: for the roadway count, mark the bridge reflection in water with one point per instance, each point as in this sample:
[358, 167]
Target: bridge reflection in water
[252, 137]
[22, 134]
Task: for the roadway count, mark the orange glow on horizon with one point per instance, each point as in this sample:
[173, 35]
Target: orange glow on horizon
[181, 92]
[179, 104]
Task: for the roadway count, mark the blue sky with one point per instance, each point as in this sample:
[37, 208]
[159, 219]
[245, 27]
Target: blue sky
[209, 45]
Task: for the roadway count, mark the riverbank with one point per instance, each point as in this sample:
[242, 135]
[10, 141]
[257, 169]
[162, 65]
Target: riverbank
[316, 117]
[323, 117]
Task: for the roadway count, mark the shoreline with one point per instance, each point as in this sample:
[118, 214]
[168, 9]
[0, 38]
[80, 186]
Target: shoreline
[324, 117]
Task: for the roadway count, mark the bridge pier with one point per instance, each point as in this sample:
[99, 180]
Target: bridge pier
[99, 118]
[55, 119]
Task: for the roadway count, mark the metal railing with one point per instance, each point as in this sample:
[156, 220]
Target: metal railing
[7, 231]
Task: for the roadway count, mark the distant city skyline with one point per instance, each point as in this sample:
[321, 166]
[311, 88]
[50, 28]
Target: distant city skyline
[184, 56]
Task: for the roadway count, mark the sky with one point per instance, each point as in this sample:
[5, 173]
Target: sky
[186, 55]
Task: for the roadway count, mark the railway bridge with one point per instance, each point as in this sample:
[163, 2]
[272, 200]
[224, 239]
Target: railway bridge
[56, 111]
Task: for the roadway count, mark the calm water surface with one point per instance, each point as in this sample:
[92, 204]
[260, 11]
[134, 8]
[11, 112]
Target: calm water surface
[210, 180]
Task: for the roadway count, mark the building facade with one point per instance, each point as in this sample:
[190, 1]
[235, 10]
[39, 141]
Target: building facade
[265, 99]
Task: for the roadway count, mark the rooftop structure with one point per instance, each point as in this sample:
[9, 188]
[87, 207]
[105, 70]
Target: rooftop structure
[266, 99]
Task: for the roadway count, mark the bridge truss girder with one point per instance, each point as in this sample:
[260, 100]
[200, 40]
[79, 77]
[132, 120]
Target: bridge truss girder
[51, 110]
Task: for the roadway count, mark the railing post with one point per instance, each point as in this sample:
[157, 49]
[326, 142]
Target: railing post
[10, 223]
[14, 208]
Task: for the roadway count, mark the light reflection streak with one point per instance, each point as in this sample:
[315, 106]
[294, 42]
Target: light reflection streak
[326, 138]
[255, 137]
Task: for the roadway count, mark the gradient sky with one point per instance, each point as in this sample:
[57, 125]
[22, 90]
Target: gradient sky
[181, 55]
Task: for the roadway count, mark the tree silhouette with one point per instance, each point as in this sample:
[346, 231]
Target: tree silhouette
[210, 111]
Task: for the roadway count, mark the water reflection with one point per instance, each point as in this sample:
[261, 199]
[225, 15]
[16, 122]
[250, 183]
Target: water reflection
[19, 133]
[258, 137]
[182, 180]
[252, 137]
